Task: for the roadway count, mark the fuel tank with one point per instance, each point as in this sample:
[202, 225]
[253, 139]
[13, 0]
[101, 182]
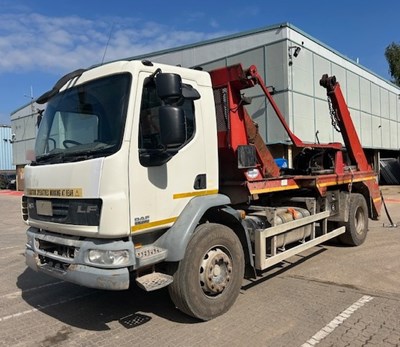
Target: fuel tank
[260, 220]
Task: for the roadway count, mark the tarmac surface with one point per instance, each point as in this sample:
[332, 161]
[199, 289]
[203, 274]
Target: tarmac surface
[331, 296]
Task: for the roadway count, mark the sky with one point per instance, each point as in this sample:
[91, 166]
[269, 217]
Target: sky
[41, 40]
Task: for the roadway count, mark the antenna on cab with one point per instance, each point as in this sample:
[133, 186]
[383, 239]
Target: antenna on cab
[108, 41]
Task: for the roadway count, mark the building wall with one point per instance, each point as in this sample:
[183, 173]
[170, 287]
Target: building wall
[24, 125]
[373, 102]
[268, 60]
[213, 50]
[6, 148]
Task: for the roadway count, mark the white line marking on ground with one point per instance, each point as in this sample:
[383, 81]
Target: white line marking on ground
[19, 292]
[2, 249]
[41, 308]
[333, 324]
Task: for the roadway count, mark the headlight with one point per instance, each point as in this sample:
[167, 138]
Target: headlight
[98, 256]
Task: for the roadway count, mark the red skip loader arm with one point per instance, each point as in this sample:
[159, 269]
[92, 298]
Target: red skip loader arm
[343, 120]
[235, 126]
[252, 71]
[238, 135]
[341, 116]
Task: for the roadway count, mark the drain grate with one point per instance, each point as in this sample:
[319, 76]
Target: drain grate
[134, 320]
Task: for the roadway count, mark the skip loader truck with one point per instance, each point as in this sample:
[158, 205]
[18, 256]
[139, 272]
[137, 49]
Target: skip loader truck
[157, 174]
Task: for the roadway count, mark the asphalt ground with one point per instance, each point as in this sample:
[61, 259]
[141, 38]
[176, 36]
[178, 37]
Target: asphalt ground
[331, 296]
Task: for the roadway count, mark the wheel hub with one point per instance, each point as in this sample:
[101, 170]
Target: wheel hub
[215, 272]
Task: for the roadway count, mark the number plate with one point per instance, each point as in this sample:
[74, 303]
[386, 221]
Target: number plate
[44, 208]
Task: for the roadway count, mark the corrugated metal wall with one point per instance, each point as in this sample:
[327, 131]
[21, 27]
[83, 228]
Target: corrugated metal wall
[24, 126]
[374, 103]
[6, 148]
[268, 60]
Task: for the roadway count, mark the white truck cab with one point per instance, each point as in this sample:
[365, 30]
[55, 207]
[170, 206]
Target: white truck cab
[115, 166]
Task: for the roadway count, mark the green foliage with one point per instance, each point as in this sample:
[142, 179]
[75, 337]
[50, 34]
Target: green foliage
[392, 54]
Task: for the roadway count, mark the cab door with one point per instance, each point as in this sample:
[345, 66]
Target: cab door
[160, 190]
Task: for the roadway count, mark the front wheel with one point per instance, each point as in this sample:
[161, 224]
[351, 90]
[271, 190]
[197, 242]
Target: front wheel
[208, 279]
[357, 225]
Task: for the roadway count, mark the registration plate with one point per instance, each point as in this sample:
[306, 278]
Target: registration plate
[44, 208]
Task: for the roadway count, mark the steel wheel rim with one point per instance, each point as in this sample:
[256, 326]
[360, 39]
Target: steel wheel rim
[215, 271]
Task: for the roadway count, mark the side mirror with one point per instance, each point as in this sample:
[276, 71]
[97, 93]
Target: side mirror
[169, 86]
[172, 126]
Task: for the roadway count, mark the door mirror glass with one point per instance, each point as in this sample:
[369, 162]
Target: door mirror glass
[169, 87]
[172, 126]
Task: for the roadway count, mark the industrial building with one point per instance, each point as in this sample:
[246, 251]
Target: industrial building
[291, 63]
[7, 169]
[6, 139]
[24, 123]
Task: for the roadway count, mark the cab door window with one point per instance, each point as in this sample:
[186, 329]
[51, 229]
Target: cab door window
[151, 148]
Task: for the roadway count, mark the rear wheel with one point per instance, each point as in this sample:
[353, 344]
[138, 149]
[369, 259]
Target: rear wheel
[208, 279]
[357, 225]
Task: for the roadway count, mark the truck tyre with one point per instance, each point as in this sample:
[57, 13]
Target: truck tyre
[357, 225]
[208, 279]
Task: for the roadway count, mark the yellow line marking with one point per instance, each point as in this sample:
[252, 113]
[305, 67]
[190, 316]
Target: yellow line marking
[273, 189]
[197, 193]
[320, 185]
[356, 180]
[153, 224]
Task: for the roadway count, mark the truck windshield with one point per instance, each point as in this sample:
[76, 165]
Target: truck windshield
[85, 121]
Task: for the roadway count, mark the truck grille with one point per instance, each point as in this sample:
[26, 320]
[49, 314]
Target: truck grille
[64, 251]
[65, 211]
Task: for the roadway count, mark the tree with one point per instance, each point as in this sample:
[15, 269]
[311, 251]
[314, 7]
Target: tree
[392, 54]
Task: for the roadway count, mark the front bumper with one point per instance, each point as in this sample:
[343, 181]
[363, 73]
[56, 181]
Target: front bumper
[88, 276]
[67, 257]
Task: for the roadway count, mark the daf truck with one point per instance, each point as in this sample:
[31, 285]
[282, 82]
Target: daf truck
[157, 175]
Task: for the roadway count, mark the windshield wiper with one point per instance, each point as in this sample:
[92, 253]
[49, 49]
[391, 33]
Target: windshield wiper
[83, 154]
[62, 156]
[55, 157]
[90, 148]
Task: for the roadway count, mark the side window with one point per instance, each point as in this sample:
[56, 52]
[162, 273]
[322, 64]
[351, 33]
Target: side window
[149, 125]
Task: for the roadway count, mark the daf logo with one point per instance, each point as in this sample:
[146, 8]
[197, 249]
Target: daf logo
[86, 209]
[142, 220]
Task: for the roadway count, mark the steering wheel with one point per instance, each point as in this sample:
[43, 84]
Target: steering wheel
[70, 143]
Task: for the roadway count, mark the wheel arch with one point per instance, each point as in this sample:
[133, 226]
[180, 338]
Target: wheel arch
[176, 238]
[231, 218]
[200, 210]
